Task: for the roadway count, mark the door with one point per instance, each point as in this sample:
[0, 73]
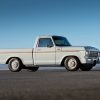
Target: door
[45, 52]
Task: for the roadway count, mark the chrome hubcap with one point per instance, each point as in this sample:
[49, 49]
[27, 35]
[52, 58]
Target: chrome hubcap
[72, 63]
[15, 65]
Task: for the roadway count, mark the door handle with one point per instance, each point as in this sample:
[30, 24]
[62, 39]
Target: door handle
[58, 49]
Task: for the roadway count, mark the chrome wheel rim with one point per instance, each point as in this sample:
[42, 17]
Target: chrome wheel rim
[15, 64]
[72, 63]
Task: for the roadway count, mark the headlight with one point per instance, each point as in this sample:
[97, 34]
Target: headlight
[87, 54]
[99, 54]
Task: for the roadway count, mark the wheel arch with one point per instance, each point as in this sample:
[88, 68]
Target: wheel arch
[13, 57]
[62, 62]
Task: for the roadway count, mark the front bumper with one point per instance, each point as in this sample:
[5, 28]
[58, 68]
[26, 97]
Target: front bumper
[93, 61]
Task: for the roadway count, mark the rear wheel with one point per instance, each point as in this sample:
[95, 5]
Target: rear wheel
[15, 65]
[32, 69]
[86, 67]
[71, 63]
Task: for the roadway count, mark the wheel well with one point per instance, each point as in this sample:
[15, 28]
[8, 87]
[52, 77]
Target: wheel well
[62, 63]
[13, 57]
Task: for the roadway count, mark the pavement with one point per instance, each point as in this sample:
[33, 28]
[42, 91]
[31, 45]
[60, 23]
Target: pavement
[56, 84]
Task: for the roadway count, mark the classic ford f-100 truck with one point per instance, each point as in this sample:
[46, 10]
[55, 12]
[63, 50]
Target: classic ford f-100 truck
[50, 51]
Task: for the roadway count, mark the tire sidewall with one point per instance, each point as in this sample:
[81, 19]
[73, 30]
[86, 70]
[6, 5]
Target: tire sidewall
[10, 65]
[66, 64]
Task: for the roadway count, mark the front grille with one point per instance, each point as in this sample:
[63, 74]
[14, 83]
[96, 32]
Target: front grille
[93, 54]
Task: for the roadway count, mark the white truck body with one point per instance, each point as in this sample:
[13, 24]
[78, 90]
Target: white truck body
[50, 55]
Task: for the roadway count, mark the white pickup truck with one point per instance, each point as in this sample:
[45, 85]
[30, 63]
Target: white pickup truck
[50, 51]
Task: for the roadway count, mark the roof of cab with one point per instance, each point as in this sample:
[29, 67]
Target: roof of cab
[46, 36]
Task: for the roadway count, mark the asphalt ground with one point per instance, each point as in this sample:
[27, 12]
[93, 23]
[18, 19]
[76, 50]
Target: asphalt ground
[56, 84]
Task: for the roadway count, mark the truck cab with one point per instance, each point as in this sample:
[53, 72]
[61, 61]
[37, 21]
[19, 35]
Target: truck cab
[46, 49]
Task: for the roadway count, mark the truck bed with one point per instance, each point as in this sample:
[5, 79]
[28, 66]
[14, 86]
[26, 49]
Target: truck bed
[24, 54]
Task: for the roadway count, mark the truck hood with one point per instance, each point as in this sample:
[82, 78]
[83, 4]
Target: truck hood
[89, 48]
[80, 48]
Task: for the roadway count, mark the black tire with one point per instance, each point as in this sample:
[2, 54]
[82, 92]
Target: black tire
[32, 69]
[15, 65]
[86, 67]
[71, 65]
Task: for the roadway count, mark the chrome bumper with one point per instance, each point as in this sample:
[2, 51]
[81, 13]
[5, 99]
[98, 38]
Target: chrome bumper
[93, 61]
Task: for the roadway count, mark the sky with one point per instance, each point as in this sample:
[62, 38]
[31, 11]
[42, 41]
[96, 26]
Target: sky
[21, 21]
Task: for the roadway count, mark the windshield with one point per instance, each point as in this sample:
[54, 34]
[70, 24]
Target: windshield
[61, 41]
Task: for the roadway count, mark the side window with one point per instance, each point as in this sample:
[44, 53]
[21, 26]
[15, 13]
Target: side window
[45, 42]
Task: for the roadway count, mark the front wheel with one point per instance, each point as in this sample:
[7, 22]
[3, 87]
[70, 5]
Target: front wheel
[86, 67]
[14, 65]
[32, 69]
[71, 63]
